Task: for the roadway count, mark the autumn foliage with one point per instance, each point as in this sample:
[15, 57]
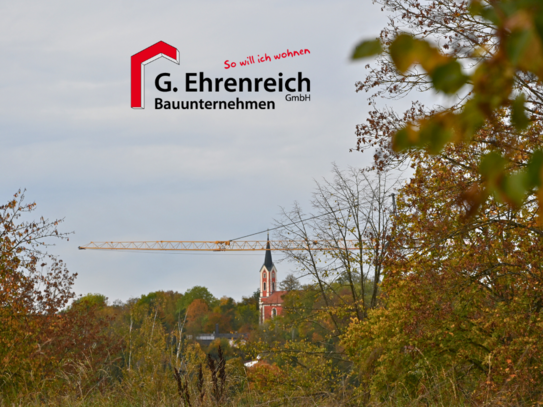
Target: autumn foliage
[461, 293]
[39, 335]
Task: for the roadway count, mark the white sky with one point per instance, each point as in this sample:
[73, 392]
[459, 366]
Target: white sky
[69, 136]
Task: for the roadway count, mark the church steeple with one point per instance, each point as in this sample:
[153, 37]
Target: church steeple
[268, 273]
[268, 258]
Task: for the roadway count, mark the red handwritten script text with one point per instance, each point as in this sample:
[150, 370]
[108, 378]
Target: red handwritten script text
[266, 58]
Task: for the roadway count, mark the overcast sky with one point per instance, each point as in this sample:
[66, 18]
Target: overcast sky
[69, 136]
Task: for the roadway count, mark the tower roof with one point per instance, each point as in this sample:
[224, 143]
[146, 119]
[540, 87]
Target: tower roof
[268, 262]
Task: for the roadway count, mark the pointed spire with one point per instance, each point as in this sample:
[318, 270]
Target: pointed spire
[268, 259]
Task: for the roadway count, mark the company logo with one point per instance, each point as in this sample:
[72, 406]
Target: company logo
[199, 82]
[137, 67]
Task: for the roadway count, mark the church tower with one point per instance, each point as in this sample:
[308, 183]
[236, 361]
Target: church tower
[271, 301]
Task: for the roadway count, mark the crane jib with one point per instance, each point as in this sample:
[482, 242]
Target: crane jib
[227, 245]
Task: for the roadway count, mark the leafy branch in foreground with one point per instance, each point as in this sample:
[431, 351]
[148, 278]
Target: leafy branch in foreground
[490, 56]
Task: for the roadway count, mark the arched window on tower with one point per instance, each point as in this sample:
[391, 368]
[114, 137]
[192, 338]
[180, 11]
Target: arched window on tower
[273, 286]
[264, 275]
[264, 286]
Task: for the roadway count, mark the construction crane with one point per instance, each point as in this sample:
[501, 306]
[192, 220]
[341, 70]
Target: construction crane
[224, 246]
[234, 245]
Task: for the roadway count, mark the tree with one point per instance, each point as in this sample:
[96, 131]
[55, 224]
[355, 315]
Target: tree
[91, 300]
[214, 318]
[460, 296]
[223, 314]
[166, 305]
[39, 336]
[461, 293]
[194, 293]
[197, 314]
[247, 313]
[290, 283]
[353, 206]
[432, 46]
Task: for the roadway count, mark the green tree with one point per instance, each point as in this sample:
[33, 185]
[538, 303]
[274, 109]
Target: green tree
[196, 293]
[91, 300]
[247, 313]
[165, 303]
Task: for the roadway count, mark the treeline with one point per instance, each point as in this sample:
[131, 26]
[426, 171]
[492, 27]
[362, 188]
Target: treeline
[195, 311]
